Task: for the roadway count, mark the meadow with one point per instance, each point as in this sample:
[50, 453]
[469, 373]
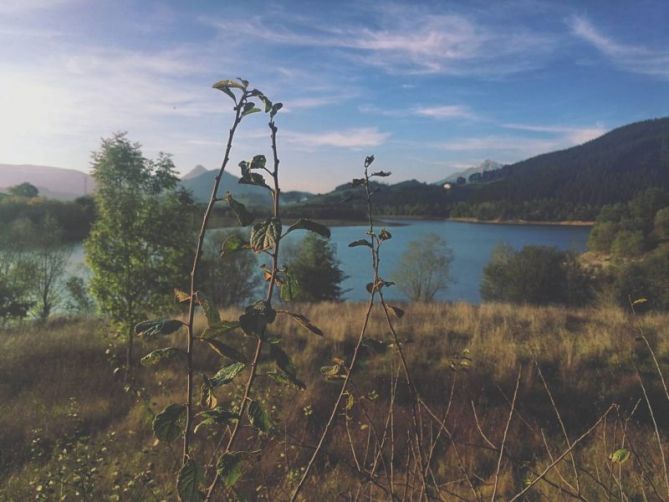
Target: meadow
[582, 386]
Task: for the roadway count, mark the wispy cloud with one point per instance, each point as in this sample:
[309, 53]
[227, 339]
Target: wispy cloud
[446, 112]
[570, 135]
[634, 58]
[439, 112]
[21, 6]
[360, 137]
[496, 145]
[406, 40]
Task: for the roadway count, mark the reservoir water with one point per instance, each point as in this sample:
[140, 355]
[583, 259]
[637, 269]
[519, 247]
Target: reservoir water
[472, 245]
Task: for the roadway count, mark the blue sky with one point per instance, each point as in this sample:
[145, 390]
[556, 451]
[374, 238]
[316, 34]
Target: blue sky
[429, 87]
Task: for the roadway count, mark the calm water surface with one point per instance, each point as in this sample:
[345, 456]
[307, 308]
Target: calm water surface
[472, 245]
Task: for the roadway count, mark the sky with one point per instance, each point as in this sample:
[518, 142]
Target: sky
[428, 87]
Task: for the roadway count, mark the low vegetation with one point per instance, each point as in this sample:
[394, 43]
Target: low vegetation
[71, 429]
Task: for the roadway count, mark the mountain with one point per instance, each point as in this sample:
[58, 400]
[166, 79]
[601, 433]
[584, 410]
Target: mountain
[605, 170]
[195, 172]
[486, 165]
[570, 184]
[52, 182]
[200, 180]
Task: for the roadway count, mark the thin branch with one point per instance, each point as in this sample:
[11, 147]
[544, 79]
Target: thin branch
[506, 430]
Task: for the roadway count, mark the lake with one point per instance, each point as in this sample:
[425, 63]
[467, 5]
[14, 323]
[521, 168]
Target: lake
[472, 245]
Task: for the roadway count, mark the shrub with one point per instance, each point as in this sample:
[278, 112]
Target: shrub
[315, 270]
[424, 267]
[648, 278]
[536, 275]
[628, 244]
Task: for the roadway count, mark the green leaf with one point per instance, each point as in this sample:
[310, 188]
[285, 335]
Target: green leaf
[312, 226]
[251, 178]
[227, 351]
[378, 285]
[258, 162]
[265, 235]
[160, 355]
[360, 242]
[384, 235]
[157, 327]
[256, 317]
[226, 374]
[188, 482]
[168, 424]
[243, 216]
[381, 174]
[639, 301]
[369, 160]
[207, 396]
[229, 468]
[620, 456]
[258, 417]
[220, 329]
[275, 109]
[210, 310]
[286, 365]
[303, 321]
[250, 108]
[216, 416]
[227, 84]
[233, 243]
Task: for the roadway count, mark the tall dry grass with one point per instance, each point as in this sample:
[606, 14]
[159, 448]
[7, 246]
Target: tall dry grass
[58, 386]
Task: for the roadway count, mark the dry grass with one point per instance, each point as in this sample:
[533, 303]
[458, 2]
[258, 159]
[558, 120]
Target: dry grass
[57, 385]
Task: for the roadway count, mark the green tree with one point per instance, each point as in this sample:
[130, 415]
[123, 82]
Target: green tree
[423, 270]
[535, 274]
[50, 255]
[602, 236]
[138, 249]
[16, 270]
[228, 278]
[314, 271]
[24, 190]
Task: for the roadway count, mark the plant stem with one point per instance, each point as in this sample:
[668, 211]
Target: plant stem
[270, 292]
[193, 278]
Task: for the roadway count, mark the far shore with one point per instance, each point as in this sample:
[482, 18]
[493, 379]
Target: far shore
[571, 223]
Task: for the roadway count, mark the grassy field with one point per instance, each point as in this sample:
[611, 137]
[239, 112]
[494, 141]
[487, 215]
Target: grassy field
[70, 429]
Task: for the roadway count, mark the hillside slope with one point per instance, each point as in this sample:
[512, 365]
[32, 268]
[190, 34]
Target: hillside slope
[52, 182]
[611, 168]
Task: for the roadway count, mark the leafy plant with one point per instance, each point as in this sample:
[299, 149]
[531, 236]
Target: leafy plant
[255, 322]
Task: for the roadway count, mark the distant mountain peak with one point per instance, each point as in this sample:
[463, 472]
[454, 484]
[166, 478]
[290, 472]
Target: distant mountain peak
[486, 165]
[195, 172]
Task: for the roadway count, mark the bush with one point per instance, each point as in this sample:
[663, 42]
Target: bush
[648, 278]
[424, 268]
[536, 275]
[628, 244]
[314, 268]
[602, 236]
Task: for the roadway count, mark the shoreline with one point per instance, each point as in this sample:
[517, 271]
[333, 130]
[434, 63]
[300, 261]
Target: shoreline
[564, 223]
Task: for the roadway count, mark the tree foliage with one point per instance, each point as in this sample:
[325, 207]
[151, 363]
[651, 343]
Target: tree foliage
[314, 270]
[535, 274]
[138, 246]
[423, 270]
[24, 190]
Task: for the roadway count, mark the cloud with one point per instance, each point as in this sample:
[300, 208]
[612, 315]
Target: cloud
[404, 40]
[634, 58]
[517, 148]
[571, 135]
[360, 137]
[446, 112]
[21, 6]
